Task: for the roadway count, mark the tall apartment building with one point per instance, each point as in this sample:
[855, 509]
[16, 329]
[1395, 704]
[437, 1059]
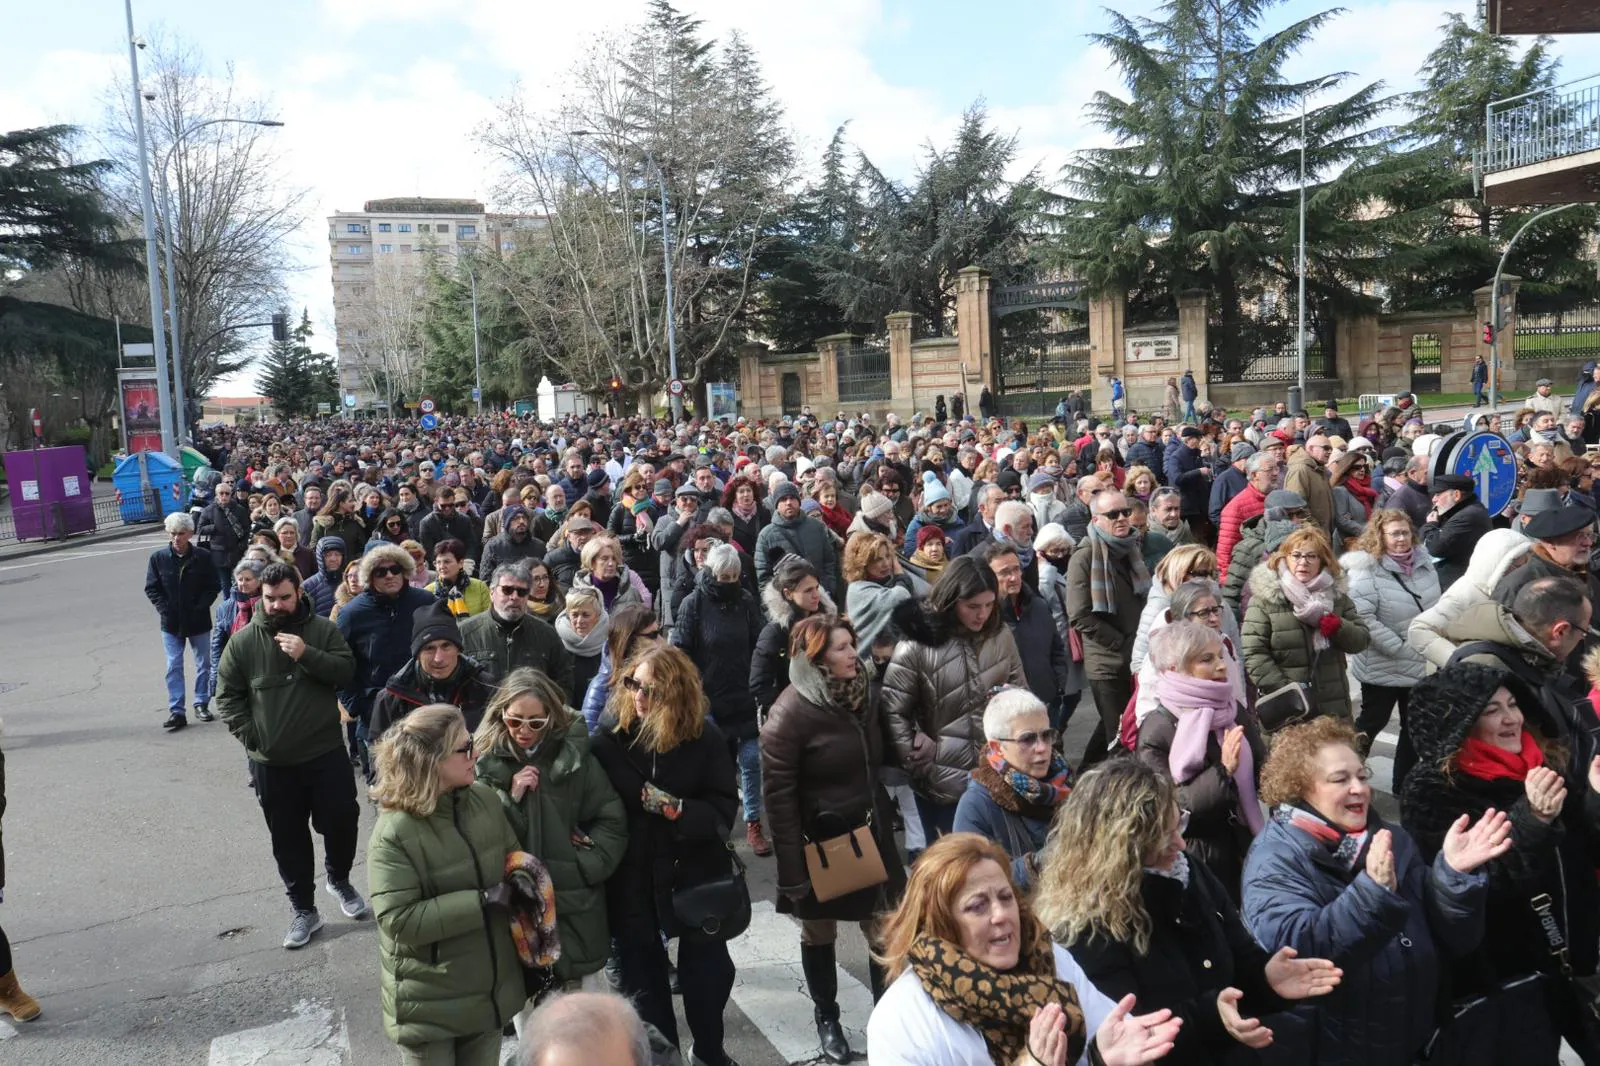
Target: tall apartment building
[379, 259]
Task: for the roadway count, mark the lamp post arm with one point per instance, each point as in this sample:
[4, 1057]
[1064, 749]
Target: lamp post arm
[1495, 322]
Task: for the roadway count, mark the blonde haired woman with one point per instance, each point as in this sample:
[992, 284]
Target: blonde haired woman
[583, 630]
[671, 766]
[603, 570]
[451, 978]
[977, 981]
[534, 752]
[1142, 920]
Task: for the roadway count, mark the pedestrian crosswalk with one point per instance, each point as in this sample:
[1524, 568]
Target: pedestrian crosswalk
[770, 990]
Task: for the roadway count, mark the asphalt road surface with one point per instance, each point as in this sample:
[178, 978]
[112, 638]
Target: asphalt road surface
[142, 902]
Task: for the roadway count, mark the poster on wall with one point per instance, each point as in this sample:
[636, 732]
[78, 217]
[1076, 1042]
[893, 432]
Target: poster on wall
[723, 400]
[1152, 349]
[141, 411]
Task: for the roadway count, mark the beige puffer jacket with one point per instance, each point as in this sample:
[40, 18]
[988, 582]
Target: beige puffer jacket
[1497, 554]
[939, 689]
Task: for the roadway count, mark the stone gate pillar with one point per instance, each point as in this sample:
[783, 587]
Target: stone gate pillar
[900, 325]
[973, 332]
[1192, 312]
[750, 354]
[1108, 314]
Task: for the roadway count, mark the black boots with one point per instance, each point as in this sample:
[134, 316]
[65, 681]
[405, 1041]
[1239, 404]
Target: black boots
[822, 981]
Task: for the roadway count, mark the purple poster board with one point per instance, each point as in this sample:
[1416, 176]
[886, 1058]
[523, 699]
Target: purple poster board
[51, 497]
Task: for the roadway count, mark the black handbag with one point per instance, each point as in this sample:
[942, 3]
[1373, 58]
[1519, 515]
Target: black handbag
[715, 910]
[1286, 706]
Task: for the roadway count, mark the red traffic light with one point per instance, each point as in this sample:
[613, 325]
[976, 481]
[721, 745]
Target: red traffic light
[616, 384]
[1488, 333]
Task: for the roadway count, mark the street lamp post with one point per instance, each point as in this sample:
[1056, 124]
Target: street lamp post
[477, 353]
[1300, 333]
[171, 228]
[152, 272]
[1496, 320]
[666, 258]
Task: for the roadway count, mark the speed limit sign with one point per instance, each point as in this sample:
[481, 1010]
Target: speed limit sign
[426, 405]
[675, 386]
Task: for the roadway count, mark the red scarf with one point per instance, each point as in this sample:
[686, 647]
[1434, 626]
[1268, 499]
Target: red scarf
[1361, 488]
[242, 612]
[1489, 763]
[837, 519]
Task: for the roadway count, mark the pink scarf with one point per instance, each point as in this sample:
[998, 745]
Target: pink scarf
[1205, 709]
[1309, 601]
[1406, 562]
[745, 511]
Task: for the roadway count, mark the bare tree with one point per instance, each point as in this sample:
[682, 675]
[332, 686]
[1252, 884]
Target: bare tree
[233, 211]
[380, 323]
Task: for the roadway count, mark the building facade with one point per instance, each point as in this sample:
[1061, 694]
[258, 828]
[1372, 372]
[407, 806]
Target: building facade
[379, 258]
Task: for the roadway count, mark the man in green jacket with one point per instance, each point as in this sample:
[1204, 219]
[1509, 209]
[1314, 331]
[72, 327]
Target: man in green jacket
[506, 637]
[277, 691]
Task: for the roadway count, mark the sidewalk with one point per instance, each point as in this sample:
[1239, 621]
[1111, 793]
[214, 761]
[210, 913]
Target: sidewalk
[101, 490]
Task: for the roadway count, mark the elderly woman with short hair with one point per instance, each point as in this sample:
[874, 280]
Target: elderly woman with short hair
[287, 531]
[583, 629]
[1019, 782]
[604, 571]
[718, 625]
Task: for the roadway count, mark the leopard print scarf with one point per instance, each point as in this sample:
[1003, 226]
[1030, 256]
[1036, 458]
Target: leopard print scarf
[998, 1005]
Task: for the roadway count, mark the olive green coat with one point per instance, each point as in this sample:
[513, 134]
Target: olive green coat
[1277, 645]
[574, 793]
[450, 968]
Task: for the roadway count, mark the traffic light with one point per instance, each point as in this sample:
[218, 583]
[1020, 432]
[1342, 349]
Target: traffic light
[280, 327]
[1488, 333]
[616, 384]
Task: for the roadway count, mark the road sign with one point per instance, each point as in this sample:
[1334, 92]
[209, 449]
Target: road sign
[430, 421]
[349, 399]
[675, 386]
[477, 394]
[426, 404]
[1488, 459]
[324, 408]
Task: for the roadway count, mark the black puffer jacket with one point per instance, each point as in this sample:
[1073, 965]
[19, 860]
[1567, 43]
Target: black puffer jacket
[1554, 859]
[718, 625]
[769, 666]
[183, 588]
[1039, 642]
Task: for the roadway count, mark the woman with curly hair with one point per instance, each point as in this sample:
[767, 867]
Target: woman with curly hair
[1330, 878]
[670, 765]
[1119, 890]
[976, 980]
[742, 498]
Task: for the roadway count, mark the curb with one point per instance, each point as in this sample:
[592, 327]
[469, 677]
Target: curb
[50, 546]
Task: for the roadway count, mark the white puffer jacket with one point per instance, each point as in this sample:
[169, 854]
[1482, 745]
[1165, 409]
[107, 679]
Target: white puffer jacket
[1388, 599]
[1499, 551]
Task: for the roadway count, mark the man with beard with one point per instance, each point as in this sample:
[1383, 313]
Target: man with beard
[506, 637]
[436, 673]
[548, 519]
[514, 541]
[277, 691]
[445, 522]
[377, 626]
[1454, 525]
[1014, 526]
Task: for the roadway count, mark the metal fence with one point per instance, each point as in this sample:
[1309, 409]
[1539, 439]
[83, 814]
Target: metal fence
[109, 512]
[1542, 125]
[864, 375]
[1264, 350]
[1573, 334]
[1037, 369]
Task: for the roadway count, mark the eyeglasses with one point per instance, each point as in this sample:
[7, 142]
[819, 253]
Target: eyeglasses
[535, 725]
[1304, 557]
[1297, 514]
[465, 749]
[512, 590]
[387, 571]
[1116, 513]
[1047, 737]
[1205, 612]
[639, 688]
[1201, 573]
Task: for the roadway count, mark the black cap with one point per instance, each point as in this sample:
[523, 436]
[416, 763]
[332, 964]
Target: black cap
[1559, 521]
[433, 622]
[1190, 431]
[1446, 482]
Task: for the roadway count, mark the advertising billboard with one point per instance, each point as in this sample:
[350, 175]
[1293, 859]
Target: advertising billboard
[141, 410]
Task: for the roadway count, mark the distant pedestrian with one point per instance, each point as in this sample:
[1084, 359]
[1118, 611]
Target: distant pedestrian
[1190, 393]
[277, 691]
[1480, 379]
[183, 584]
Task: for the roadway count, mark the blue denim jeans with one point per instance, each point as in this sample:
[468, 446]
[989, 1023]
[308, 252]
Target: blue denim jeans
[173, 644]
[749, 759]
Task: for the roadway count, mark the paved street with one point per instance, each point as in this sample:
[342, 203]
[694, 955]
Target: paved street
[142, 902]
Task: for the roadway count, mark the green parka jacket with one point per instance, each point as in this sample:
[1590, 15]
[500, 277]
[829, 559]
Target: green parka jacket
[574, 793]
[450, 968]
[1277, 646]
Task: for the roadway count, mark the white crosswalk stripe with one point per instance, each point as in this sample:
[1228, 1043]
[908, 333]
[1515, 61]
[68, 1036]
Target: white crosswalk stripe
[770, 989]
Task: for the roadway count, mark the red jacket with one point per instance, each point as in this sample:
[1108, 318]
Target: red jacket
[1247, 505]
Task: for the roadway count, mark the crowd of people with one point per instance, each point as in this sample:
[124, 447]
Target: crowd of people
[567, 661]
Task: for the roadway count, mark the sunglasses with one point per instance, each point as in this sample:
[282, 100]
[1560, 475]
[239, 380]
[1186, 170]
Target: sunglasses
[1116, 513]
[1048, 737]
[512, 590]
[387, 571]
[535, 725]
[465, 749]
[639, 688]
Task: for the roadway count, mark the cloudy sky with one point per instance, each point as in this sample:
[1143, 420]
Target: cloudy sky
[381, 97]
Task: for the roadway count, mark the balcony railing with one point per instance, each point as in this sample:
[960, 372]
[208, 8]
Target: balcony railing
[1543, 125]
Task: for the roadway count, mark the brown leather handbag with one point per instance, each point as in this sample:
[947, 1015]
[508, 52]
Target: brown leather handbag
[846, 863]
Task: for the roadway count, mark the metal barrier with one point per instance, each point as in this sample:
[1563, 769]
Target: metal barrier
[109, 512]
[1544, 124]
[1573, 334]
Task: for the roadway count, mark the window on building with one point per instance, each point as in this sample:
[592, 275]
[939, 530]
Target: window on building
[466, 231]
[383, 227]
[404, 248]
[352, 227]
[355, 249]
[443, 227]
[385, 248]
[405, 227]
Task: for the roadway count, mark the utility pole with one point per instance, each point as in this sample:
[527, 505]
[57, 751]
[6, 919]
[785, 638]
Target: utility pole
[152, 272]
[1300, 331]
[477, 354]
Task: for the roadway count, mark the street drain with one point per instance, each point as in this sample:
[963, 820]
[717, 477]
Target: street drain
[229, 934]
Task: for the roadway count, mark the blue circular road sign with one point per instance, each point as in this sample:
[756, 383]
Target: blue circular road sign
[1488, 459]
[430, 421]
